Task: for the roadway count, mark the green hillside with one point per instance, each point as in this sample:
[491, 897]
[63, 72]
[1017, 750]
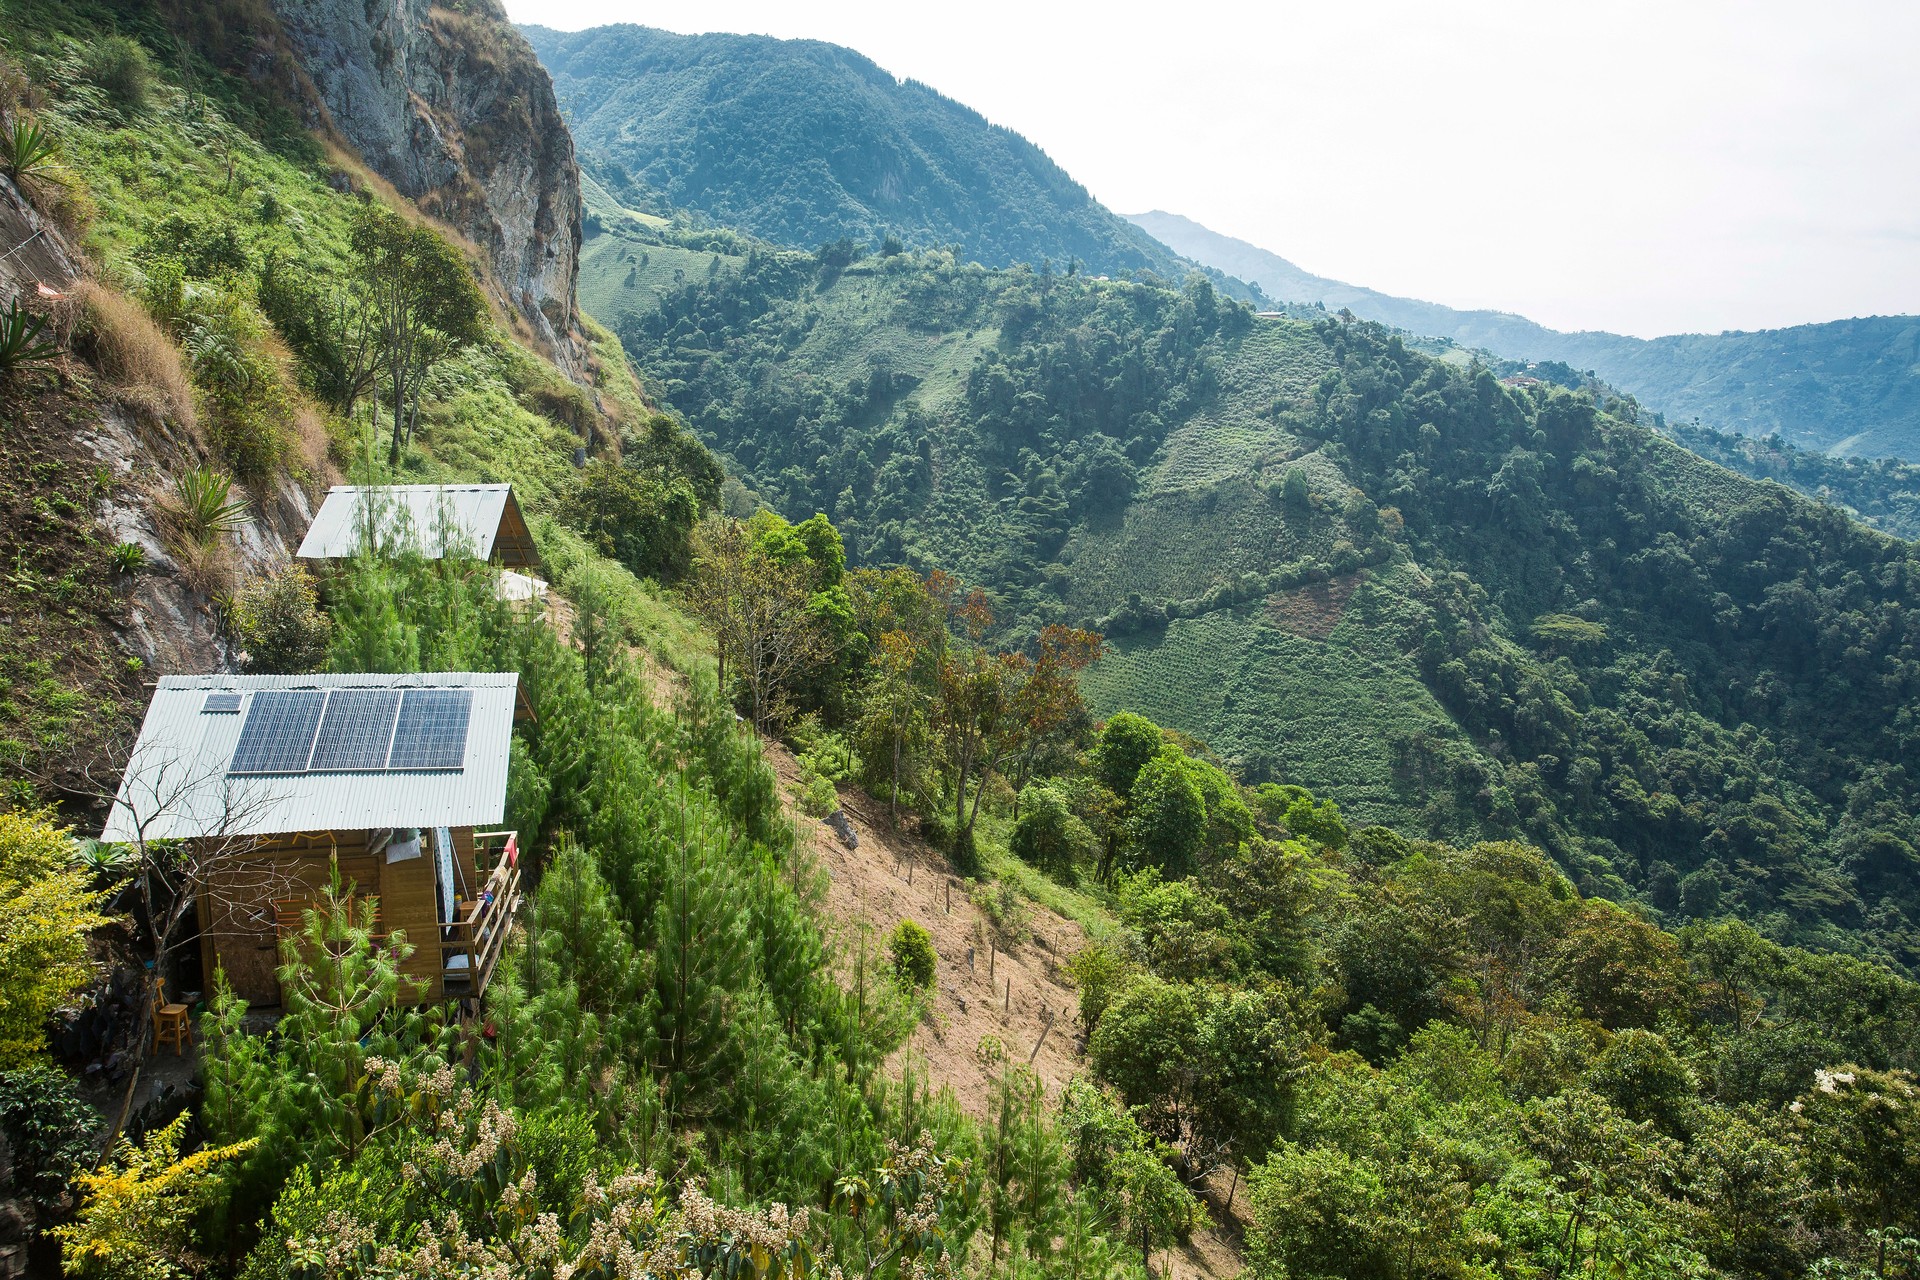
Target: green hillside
[1847, 386]
[804, 143]
[1445, 602]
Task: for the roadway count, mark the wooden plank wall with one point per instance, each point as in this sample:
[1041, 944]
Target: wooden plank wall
[237, 913]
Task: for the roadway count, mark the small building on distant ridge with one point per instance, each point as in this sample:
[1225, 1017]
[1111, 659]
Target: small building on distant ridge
[481, 520]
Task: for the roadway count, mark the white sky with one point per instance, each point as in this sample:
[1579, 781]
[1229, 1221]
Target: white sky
[1646, 166]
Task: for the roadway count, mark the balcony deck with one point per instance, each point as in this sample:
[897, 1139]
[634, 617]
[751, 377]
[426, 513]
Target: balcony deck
[471, 946]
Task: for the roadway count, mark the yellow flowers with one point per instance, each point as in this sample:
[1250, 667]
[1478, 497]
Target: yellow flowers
[136, 1210]
[47, 908]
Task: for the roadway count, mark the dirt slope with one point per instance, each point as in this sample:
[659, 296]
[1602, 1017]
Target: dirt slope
[893, 876]
[890, 876]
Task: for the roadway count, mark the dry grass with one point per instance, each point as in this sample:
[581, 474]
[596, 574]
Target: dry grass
[121, 340]
[313, 445]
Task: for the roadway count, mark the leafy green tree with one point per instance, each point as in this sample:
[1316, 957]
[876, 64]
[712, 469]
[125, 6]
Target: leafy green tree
[1127, 741]
[1048, 834]
[1294, 810]
[1317, 1212]
[1747, 1179]
[1860, 1132]
[1641, 1075]
[1606, 1179]
[424, 306]
[894, 726]
[1624, 971]
[1167, 828]
[766, 630]
[1147, 1046]
[643, 519]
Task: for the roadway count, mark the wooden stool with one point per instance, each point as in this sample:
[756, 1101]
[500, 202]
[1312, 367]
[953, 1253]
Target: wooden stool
[170, 1021]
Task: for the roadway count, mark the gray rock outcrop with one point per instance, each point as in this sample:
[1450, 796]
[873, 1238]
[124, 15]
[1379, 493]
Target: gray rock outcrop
[456, 112]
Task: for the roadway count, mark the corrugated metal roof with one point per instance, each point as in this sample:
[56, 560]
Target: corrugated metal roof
[176, 785]
[432, 516]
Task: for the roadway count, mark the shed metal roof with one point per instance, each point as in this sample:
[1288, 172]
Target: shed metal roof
[176, 785]
[479, 519]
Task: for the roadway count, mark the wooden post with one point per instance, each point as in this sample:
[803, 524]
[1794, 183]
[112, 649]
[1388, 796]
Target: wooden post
[990, 950]
[909, 873]
[1043, 1039]
[1008, 1006]
[949, 897]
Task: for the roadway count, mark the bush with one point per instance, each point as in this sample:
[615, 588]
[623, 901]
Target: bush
[1006, 911]
[817, 796]
[1048, 835]
[122, 70]
[278, 619]
[47, 909]
[914, 960]
[49, 1127]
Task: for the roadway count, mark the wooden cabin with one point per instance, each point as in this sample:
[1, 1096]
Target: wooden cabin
[481, 520]
[397, 784]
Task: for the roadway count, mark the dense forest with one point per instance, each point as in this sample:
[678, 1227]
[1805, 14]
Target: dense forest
[1690, 688]
[803, 143]
[1844, 386]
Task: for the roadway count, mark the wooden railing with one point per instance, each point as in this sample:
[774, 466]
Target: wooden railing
[471, 946]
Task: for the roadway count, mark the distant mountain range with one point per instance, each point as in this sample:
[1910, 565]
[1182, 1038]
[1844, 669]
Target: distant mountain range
[1850, 387]
[804, 143]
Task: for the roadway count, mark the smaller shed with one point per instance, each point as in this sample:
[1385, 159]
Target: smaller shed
[482, 520]
[399, 781]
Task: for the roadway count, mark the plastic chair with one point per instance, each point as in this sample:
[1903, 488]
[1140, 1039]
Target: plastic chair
[170, 1021]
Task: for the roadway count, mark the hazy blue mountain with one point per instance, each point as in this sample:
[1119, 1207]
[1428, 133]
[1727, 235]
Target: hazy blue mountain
[1850, 387]
[804, 143]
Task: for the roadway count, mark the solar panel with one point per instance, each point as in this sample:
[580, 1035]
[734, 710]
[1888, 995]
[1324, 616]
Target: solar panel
[432, 733]
[220, 704]
[277, 736]
[356, 730]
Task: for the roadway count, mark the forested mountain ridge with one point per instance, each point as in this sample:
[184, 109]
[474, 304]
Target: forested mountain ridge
[1844, 386]
[803, 143]
[1450, 604]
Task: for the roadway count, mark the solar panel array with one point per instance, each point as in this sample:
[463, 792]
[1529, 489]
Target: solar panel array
[291, 731]
[221, 704]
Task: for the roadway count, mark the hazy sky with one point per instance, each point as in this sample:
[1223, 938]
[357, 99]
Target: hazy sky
[1647, 167]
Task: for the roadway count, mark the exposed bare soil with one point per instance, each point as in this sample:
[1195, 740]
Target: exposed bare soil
[1313, 611]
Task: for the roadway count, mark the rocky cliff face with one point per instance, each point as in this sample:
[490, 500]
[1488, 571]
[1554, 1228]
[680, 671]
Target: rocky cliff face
[159, 617]
[451, 106]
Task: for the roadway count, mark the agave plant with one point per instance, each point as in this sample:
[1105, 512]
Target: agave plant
[28, 153]
[108, 863]
[205, 503]
[23, 341]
